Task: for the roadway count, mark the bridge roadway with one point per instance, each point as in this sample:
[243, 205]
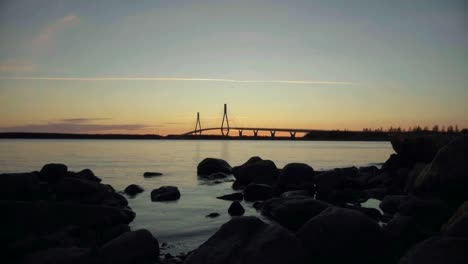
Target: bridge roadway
[292, 131]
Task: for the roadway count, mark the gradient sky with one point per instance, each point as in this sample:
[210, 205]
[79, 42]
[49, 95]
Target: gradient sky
[149, 66]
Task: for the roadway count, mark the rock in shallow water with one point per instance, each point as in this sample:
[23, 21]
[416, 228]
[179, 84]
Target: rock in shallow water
[152, 174]
[232, 197]
[236, 209]
[165, 193]
[258, 192]
[248, 240]
[211, 165]
[256, 171]
[133, 189]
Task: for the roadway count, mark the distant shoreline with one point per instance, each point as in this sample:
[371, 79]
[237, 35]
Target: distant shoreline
[322, 136]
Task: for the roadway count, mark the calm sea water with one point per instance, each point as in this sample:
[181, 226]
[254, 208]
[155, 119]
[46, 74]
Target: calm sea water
[182, 224]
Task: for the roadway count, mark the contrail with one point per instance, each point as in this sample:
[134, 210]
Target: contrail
[172, 79]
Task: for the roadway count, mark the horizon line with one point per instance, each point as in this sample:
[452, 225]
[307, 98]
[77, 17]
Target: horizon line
[41, 78]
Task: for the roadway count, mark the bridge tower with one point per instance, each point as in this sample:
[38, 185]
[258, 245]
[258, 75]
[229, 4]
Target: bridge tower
[225, 118]
[198, 125]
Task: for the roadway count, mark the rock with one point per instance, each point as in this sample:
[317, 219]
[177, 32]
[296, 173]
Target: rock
[248, 240]
[402, 232]
[296, 174]
[258, 192]
[430, 214]
[457, 225]
[132, 247]
[59, 256]
[165, 193]
[210, 165]
[213, 215]
[53, 172]
[152, 174]
[236, 185]
[133, 189]
[236, 209]
[413, 175]
[232, 197]
[20, 186]
[371, 212]
[214, 176]
[256, 171]
[391, 203]
[293, 212]
[446, 176]
[393, 163]
[376, 193]
[416, 149]
[347, 196]
[300, 193]
[438, 250]
[328, 181]
[85, 174]
[339, 235]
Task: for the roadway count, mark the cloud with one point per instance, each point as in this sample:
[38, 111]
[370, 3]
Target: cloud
[17, 65]
[47, 34]
[68, 127]
[174, 79]
[82, 120]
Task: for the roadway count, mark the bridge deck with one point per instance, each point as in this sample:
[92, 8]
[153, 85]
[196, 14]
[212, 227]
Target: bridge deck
[293, 130]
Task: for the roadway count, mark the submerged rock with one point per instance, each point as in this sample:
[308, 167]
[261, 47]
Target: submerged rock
[133, 189]
[236, 209]
[232, 197]
[211, 165]
[165, 193]
[152, 174]
[248, 240]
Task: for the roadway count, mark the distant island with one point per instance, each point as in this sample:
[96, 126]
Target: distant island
[320, 135]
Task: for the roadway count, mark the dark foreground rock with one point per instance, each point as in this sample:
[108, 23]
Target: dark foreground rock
[457, 225]
[258, 192]
[236, 209]
[165, 193]
[132, 247]
[53, 172]
[210, 165]
[438, 250]
[248, 240]
[133, 189]
[256, 170]
[73, 255]
[293, 212]
[296, 176]
[343, 236]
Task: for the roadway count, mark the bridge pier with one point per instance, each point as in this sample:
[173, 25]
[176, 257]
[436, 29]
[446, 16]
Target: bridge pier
[240, 133]
[255, 133]
[272, 133]
[293, 134]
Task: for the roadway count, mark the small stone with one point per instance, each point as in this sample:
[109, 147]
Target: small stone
[152, 174]
[213, 215]
[236, 209]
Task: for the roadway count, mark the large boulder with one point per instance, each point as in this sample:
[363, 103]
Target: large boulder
[418, 148]
[457, 225]
[211, 165]
[391, 203]
[59, 256]
[131, 247]
[248, 240]
[402, 233]
[20, 186]
[85, 174]
[133, 189]
[328, 181]
[447, 175]
[339, 235]
[438, 250]
[295, 175]
[293, 212]
[165, 193]
[256, 171]
[258, 192]
[53, 172]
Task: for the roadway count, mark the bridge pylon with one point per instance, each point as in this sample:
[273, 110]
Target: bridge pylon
[225, 120]
[198, 125]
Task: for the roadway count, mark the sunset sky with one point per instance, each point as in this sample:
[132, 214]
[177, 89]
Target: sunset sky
[150, 66]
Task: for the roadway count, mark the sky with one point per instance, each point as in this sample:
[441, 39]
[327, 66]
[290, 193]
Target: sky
[145, 67]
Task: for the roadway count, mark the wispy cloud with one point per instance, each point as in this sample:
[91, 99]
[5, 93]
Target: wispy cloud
[82, 120]
[47, 34]
[67, 127]
[173, 79]
[17, 65]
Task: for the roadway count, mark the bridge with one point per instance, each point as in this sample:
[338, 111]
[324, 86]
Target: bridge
[226, 128]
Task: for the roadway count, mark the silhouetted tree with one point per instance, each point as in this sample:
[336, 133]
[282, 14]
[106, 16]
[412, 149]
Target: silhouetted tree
[450, 129]
[435, 128]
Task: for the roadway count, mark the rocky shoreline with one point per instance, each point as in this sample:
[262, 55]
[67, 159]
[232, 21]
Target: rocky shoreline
[58, 216]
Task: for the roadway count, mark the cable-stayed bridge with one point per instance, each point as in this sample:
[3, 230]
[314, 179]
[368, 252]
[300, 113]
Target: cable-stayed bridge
[225, 128]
